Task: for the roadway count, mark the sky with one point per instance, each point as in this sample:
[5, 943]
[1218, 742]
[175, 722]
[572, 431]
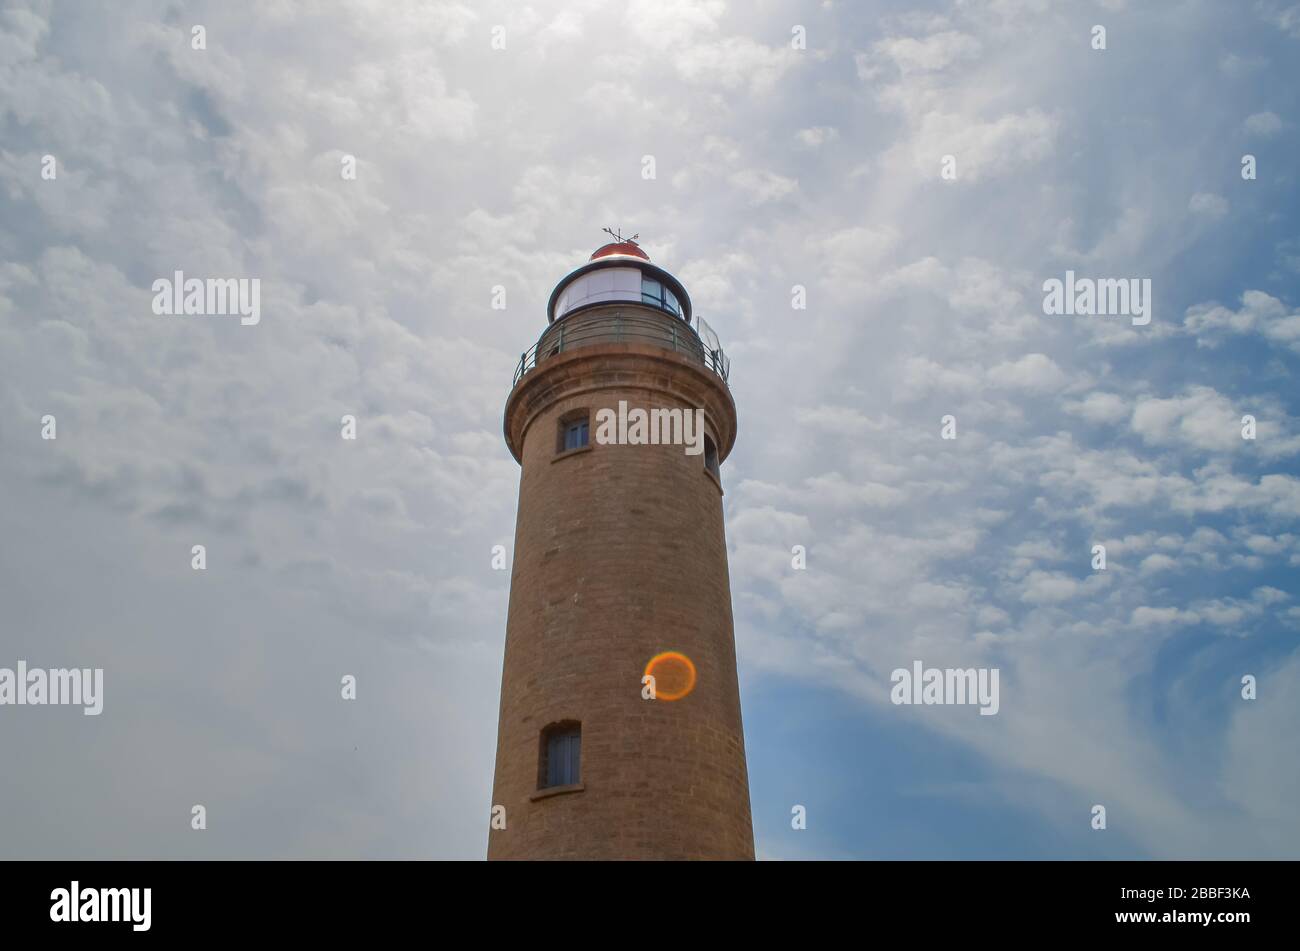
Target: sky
[798, 153]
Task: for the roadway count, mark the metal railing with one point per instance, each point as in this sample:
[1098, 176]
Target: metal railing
[591, 329]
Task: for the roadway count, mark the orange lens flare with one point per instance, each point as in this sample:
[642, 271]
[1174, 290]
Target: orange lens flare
[674, 675]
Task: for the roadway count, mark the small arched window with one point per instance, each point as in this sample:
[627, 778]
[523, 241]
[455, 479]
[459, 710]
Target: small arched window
[560, 759]
[711, 457]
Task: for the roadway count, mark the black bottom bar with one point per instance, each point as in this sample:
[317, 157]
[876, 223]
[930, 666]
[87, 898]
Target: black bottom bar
[982, 901]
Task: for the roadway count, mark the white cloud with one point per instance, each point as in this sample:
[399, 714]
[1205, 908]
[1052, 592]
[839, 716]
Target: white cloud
[1043, 587]
[1144, 616]
[1208, 205]
[983, 149]
[764, 186]
[1100, 408]
[919, 54]
[1034, 371]
[1284, 16]
[1200, 419]
[817, 136]
[1259, 313]
[1153, 564]
[686, 33]
[1263, 124]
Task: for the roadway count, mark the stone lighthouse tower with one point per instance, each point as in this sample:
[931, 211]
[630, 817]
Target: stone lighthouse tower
[620, 734]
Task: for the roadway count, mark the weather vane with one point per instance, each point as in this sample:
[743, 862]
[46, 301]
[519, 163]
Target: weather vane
[618, 235]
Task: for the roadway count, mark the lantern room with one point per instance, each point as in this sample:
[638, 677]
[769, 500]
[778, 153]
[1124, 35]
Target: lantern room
[619, 271]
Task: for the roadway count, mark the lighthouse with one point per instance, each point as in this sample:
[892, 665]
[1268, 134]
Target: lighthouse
[619, 734]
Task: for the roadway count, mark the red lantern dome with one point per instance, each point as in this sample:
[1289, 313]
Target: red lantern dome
[629, 248]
